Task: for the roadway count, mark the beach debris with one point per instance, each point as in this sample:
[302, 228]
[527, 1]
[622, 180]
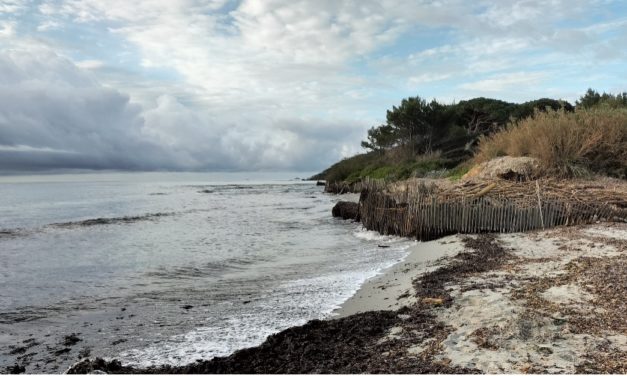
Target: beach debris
[482, 337]
[482, 253]
[187, 306]
[433, 301]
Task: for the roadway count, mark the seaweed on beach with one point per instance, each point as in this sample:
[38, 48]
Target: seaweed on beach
[483, 253]
[602, 315]
[344, 345]
[347, 345]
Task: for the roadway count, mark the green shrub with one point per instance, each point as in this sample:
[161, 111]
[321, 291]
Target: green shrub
[459, 171]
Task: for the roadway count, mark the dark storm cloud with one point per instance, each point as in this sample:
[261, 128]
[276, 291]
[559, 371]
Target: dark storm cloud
[55, 115]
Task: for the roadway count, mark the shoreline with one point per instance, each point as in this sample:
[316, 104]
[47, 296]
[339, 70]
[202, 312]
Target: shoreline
[506, 303]
[393, 288]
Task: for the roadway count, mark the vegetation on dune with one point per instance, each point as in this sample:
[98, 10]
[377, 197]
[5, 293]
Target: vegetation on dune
[392, 164]
[421, 138]
[566, 144]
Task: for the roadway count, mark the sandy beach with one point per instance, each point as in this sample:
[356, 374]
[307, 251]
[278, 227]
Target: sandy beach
[540, 302]
[545, 310]
[393, 288]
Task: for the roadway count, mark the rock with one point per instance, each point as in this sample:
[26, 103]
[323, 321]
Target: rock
[71, 340]
[508, 168]
[62, 351]
[16, 369]
[18, 350]
[320, 183]
[98, 366]
[346, 210]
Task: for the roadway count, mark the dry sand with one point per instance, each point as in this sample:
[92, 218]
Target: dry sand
[548, 309]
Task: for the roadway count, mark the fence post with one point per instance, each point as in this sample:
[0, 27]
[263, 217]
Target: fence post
[540, 204]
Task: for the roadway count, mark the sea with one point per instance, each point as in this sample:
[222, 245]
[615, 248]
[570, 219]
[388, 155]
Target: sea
[168, 268]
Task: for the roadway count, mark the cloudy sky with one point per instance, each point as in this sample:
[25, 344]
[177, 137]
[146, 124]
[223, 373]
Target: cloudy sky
[273, 84]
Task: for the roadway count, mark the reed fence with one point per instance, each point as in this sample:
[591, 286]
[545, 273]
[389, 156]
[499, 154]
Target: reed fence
[430, 212]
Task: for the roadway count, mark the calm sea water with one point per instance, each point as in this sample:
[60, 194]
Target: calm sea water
[168, 268]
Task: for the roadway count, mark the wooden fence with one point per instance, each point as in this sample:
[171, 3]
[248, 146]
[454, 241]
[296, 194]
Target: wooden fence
[429, 215]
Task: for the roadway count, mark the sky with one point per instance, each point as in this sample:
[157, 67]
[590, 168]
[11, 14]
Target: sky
[273, 85]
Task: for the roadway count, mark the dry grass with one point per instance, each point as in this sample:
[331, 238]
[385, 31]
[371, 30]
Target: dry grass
[567, 144]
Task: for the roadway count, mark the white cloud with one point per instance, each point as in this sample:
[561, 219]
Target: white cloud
[13, 6]
[501, 82]
[90, 64]
[30, 149]
[53, 114]
[276, 83]
[49, 25]
[7, 29]
[428, 77]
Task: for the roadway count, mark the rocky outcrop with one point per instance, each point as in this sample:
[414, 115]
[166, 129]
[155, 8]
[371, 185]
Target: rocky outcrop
[346, 210]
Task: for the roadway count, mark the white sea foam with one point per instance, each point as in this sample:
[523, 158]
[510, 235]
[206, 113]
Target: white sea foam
[373, 236]
[292, 303]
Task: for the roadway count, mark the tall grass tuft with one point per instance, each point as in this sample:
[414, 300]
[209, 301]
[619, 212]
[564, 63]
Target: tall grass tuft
[566, 143]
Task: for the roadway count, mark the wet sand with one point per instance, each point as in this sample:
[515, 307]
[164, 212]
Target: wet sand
[393, 288]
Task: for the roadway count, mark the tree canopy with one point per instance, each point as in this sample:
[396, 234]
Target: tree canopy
[419, 126]
[592, 98]
[420, 135]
